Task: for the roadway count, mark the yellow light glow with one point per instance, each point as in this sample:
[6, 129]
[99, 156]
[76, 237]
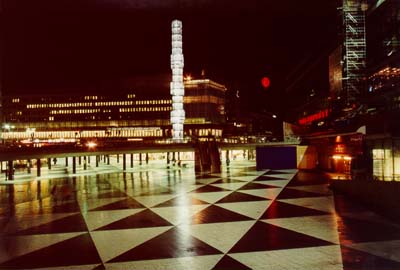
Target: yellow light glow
[91, 144]
[338, 157]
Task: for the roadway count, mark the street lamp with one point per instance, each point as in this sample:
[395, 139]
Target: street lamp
[7, 128]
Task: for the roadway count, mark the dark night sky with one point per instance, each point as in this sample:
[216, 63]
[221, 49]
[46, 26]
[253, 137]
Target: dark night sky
[53, 45]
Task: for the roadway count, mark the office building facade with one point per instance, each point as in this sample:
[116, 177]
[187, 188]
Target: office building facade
[137, 114]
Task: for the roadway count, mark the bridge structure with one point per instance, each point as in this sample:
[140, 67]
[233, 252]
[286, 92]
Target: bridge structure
[207, 154]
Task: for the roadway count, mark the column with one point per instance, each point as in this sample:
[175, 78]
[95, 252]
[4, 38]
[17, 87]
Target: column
[108, 159]
[29, 165]
[84, 163]
[117, 158]
[66, 162]
[10, 169]
[49, 163]
[97, 161]
[147, 158]
[73, 164]
[173, 158]
[227, 158]
[88, 159]
[168, 158]
[38, 167]
[140, 158]
[131, 160]
[80, 160]
[124, 161]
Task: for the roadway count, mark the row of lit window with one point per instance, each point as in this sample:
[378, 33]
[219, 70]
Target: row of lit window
[15, 100]
[131, 132]
[203, 99]
[125, 132]
[146, 109]
[205, 82]
[75, 111]
[105, 103]
[91, 97]
[59, 105]
[153, 102]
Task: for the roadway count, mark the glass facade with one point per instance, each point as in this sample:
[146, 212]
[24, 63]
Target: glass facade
[383, 31]
[386, 159]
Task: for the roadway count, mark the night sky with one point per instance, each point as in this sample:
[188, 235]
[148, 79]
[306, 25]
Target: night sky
[53, 46]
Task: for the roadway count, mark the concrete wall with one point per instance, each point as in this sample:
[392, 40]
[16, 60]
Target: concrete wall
[307, 157]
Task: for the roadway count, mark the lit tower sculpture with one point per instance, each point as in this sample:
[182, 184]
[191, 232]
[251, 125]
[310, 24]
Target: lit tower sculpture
[177, 87]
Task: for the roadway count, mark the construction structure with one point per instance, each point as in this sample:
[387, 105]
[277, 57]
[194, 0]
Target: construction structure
[354, 49]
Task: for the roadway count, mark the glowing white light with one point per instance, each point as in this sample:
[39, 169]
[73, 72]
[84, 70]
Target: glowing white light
[91, 144]
[177, 86]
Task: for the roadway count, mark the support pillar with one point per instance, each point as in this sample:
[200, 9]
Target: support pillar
[124, 162]
[131, 160]
[168, 161]
[140, 158]
[97, 161]
[147, 158]
[66, 162]
[10, 169]
[49, 163]
[38, 167]
[108, 159]
[117, 158]
[80, 160]
[29, 165]
[88, 159]
[73, 164]
[227, 158]
[179, 159]
[84, 163]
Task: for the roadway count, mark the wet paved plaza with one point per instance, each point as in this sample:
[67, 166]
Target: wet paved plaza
[157, 218]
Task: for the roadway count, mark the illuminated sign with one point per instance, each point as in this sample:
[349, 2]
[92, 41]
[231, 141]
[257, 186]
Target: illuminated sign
[313, 117]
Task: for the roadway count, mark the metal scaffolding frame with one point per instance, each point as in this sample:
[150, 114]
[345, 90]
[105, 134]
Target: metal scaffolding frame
[354, 53]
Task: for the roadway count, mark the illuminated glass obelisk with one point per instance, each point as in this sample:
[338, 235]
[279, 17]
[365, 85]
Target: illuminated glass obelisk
[177, 87]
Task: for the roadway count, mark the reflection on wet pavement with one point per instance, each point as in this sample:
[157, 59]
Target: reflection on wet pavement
[172, 218]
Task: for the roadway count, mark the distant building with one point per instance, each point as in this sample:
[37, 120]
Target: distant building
[140, 113]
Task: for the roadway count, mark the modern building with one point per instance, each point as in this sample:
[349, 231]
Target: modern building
[140, 113]
[382, 94]
[357, 122]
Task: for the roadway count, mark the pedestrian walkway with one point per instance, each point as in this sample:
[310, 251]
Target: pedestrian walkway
[159, 218]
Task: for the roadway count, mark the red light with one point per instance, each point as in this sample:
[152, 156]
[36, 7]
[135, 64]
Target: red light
[265, 81]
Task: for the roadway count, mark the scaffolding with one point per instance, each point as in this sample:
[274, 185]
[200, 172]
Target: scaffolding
[354, 54]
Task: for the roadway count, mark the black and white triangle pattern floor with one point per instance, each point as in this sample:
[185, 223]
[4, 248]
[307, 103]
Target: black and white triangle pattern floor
[176, 219]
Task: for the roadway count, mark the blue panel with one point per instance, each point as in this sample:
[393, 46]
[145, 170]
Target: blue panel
[276, 157]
